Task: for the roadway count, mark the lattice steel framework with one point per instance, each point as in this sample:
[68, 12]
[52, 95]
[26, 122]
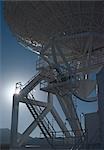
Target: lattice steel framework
[68, 37]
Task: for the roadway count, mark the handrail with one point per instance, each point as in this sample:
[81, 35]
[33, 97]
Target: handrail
[31, 79]
[30, 85]
[45, 116]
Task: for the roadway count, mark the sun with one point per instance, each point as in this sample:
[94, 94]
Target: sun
[17, 90]
[13, 90]
[18, 87]
[10, 90]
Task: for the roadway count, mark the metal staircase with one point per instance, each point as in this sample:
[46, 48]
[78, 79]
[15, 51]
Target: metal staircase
[45, 120]
[36, 111]
[44, 124]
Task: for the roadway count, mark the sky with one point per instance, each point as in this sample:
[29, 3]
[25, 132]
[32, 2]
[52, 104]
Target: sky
[18, 64]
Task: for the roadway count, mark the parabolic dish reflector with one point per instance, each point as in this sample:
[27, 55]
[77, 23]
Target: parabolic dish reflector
[39, 20]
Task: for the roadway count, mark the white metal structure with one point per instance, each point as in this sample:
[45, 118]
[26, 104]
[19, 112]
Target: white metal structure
[70, 44]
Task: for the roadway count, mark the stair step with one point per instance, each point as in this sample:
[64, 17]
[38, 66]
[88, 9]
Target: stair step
[43, 125]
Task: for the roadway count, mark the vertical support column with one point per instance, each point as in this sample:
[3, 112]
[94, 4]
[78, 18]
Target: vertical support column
[14, 121]
[100, 82]
[50, 99]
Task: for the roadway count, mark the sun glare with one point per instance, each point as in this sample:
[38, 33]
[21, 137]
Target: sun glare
[17, 90]
[10, 90]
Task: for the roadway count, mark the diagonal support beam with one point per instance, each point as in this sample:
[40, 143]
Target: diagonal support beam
[70, 113]
[34, 82]
[60, 122]
[32, 126]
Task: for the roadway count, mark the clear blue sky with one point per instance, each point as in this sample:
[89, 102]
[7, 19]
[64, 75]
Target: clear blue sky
[17, 64]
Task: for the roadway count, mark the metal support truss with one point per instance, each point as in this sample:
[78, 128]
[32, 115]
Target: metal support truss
[60, 122]
[32, 126]
[70, 113]
[38, 114]
[62, 85]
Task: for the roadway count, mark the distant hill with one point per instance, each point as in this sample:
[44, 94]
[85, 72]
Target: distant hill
[37, 142]
[5, 138]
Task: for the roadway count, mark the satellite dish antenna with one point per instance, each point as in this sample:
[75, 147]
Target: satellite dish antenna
[69, 38]
[77, 29]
